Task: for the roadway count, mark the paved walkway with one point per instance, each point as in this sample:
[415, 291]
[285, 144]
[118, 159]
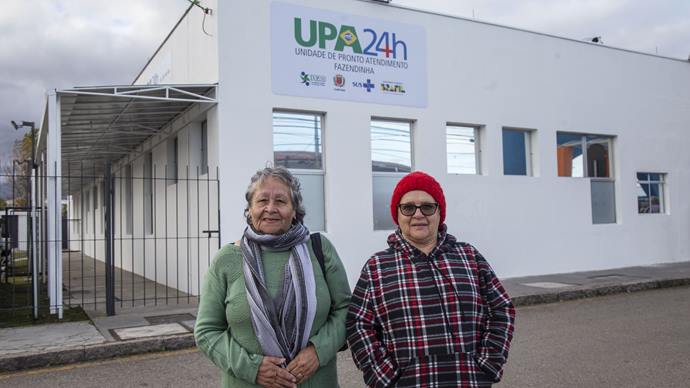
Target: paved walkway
[147, 329]
[84, 285]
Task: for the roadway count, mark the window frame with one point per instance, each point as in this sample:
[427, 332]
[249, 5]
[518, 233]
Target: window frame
[528, 134]
[307, 171]
[594, 181]
[662, 183]
[477, 134]
[321, 115]
[410, 123]
[585, 164]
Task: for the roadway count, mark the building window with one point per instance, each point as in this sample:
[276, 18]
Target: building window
[650, 192]
[76, 214]
[297, 146]
[148, 193]
[87, 206]
[462, 148]
[517, 152]
[94, 197]
[583, 155]
[129, 211]
[104, 198]
[94, 194]
[172, 160]
[391, 159]
[204, 147]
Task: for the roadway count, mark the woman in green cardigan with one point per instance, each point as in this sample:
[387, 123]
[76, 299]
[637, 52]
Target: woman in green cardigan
[270, 315]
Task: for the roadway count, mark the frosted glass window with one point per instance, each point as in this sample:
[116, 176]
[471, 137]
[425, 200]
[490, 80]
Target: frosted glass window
[383, 186]
[313, 200]
[603, 202]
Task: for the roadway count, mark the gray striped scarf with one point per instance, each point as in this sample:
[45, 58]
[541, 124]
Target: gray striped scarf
[282, 325]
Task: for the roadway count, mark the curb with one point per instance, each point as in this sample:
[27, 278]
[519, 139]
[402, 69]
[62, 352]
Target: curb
[562, 296]
[95, 352]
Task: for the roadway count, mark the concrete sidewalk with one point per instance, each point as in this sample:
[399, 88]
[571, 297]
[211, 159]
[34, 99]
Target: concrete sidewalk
[142, 330]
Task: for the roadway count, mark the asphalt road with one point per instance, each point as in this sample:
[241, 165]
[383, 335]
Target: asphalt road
[634, 340]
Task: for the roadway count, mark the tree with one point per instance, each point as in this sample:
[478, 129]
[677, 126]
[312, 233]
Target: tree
[19, 170]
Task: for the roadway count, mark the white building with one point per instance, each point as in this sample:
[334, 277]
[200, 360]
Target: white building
[556, 155]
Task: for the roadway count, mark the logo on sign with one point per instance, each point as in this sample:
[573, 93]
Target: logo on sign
[393, 87]
[348, 37]
[339, 80]
[376, 43]
[312, 79]
[366, 85]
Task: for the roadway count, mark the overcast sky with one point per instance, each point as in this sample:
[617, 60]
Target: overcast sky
[49, 44]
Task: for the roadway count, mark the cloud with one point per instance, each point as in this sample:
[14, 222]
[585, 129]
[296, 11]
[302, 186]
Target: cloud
[58, 44]
[638, 25]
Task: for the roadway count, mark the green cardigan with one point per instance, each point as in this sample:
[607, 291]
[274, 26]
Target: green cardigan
[224, 331]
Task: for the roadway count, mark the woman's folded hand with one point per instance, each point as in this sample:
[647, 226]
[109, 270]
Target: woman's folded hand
[305, 364]
[272, 375]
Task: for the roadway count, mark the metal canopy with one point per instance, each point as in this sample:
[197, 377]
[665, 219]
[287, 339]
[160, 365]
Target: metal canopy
[104, 124]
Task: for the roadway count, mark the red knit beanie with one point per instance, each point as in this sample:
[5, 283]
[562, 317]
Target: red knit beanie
[418, 180]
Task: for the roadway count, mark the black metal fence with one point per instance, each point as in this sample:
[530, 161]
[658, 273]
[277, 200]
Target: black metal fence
[135, 235]
[22, 274]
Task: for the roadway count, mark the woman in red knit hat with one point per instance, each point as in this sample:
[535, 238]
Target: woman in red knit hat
[428, 311]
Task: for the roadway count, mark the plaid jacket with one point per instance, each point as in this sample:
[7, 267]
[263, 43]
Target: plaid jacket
[442, 320]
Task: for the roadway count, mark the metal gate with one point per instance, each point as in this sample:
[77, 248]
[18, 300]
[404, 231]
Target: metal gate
[139, 235]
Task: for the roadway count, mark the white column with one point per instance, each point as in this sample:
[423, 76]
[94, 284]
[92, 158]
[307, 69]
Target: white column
[54, 211]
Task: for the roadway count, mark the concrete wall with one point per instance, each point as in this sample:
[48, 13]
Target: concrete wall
[494, 77]
[189, 55]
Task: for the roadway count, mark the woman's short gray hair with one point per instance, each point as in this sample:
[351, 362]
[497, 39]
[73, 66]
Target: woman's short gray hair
[285, 176]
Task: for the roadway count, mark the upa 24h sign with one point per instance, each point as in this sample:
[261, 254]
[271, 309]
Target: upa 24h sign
[324, 54]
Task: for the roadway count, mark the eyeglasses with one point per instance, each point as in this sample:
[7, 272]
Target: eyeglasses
[409, 209]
